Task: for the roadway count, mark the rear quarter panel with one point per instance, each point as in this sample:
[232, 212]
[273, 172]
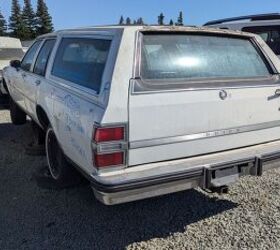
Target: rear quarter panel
[73, 111]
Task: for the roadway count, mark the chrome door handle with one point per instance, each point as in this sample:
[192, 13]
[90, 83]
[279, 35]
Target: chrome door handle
[37, 82]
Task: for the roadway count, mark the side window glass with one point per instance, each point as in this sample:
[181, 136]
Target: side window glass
[82, 61]
[43, 57]
[29, 56]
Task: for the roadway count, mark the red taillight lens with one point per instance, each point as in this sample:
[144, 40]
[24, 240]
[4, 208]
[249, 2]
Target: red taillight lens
[106, 160]
[108, 134]
[109, 146]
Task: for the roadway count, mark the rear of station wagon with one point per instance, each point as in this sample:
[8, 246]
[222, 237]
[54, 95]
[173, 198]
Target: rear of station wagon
[146, 111]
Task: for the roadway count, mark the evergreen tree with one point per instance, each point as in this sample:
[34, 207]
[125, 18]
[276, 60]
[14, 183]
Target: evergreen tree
[3, 25]
[134, 22]
[29, 20]
[44, 20]
[180, 20]
[16, 26]
[121, 20]
[140, 21]
[161, 19]
[171, 23]
[128, 21]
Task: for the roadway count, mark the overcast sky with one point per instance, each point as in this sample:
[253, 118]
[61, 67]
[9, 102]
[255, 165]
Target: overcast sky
[76, 13]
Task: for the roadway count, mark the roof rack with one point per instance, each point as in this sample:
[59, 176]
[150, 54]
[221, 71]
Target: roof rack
[261, 17]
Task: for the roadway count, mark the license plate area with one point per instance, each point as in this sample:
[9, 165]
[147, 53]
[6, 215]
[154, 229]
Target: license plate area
[225, 175]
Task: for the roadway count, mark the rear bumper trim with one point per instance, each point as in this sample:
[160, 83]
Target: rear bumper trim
[147, 182]
[265, 159]
[209, 171]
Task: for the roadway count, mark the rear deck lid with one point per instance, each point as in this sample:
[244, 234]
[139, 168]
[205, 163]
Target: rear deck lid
[200, 93]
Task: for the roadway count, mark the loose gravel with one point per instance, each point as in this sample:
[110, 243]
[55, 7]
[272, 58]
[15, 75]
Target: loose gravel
[248, 217]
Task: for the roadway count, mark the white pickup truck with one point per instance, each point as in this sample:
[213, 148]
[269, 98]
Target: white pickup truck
[144, 111]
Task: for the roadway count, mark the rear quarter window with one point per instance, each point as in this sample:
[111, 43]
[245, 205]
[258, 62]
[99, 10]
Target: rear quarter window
[190, 57]
[82, 61]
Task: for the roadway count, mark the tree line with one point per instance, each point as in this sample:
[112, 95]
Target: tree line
[160, 20]
[24, 23]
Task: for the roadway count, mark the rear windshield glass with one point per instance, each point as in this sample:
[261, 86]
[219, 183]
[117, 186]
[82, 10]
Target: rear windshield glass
[11, 54]
[270, 34]
[200, 56]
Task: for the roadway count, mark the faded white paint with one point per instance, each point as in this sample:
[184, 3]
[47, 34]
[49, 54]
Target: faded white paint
[73, 111]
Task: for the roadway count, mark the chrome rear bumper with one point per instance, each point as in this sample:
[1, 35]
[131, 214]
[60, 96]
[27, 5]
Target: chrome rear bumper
[208, 171]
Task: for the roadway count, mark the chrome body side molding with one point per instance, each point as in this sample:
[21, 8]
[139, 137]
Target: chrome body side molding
[203, 135]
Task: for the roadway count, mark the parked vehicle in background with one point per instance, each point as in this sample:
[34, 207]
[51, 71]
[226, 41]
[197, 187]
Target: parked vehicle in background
[26, 45]
[144, 111]
[10, 49]
[265, 25]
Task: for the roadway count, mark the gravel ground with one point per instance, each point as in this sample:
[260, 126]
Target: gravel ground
[34, 218]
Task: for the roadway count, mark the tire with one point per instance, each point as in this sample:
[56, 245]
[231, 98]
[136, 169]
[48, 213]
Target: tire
[18, 116]
[61, 171]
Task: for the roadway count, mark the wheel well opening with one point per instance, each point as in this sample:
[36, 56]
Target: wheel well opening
[42, 117]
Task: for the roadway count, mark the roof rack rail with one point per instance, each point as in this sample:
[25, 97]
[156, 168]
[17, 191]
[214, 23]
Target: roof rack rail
[261, 17]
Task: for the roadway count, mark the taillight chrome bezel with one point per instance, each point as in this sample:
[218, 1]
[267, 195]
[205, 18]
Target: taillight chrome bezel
[110, 147]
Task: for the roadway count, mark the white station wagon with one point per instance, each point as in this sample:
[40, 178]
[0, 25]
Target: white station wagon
[144, 111]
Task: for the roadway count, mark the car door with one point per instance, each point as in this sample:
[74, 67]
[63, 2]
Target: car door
[23, 72]
[33, 79]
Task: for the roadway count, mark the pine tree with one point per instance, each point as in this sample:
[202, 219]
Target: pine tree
[16, 26]
[171, 23]
[29, 20]
[128, 21]
[134, 22]
[140, 21]
[161, 19]
[180, 20]
[121, 20]
[3, 25]
[44, 20]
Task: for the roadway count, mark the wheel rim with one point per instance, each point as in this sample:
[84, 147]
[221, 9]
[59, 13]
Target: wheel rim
[53, 154]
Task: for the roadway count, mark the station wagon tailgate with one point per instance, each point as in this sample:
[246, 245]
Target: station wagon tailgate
[198, 94]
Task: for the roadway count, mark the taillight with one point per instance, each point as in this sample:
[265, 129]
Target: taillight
[109, 146]
[108, 134]
[107, 160]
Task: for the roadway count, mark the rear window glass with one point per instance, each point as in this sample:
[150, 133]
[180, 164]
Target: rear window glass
[82, 61]
[270, 34]
[200, 56]
[11, 54]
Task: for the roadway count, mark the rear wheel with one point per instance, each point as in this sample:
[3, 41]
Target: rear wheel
[60, 169]
[37, 146]
[18, 116]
